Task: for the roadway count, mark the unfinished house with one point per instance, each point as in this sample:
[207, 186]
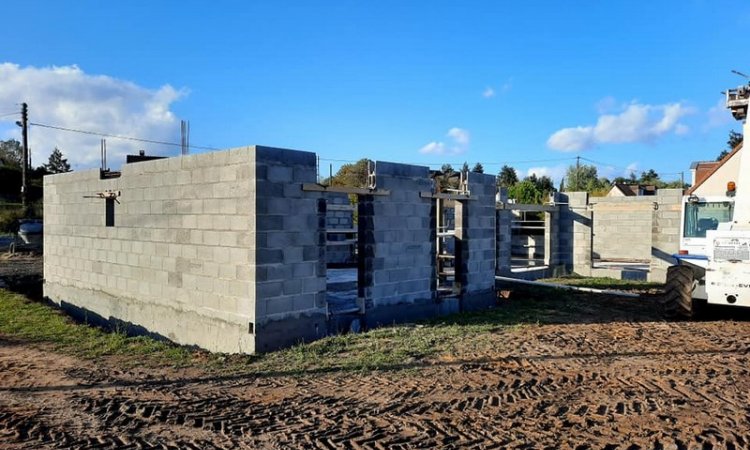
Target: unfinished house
[241, 251]
[228, 251]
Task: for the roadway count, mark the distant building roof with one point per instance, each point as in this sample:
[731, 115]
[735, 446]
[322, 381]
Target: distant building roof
[633, 190]
[704, 169]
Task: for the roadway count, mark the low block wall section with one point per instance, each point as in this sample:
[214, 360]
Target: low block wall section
[175, 263]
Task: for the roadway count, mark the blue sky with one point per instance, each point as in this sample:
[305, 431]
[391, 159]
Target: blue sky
[534, 84]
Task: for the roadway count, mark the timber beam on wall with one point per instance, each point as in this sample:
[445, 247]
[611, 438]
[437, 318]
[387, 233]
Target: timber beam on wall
[521, 207]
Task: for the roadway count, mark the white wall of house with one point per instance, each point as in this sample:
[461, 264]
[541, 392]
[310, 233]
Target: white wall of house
[615, 192]
[716, 184]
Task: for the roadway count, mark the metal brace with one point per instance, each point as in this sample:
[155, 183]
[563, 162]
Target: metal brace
[371, 182]
[107, 195]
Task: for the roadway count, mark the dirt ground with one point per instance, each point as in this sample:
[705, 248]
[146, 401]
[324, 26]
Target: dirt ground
[621, 379]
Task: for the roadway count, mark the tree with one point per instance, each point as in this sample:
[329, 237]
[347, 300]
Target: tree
[631, 179]
[11, 153]
[734, 140]
[478, 168]
[448, 178]
[583, 178]
[56, 163]
[542, 188]
[544, 183]
[507, 177]
[526, 192]
[351, 175]
[650, 177]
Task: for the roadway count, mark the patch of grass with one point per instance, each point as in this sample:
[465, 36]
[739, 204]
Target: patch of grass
[21, 318]
[394, 347]
[401, 346]
[604, 283]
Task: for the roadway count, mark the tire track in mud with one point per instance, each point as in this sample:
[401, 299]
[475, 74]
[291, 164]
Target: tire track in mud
[670, 386]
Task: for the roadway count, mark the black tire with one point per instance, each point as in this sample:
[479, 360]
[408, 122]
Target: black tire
[677, 302]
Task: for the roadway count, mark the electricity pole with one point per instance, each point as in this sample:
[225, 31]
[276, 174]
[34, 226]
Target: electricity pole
[25, 163]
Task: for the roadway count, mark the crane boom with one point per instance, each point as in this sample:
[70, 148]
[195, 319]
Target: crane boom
[737, 103]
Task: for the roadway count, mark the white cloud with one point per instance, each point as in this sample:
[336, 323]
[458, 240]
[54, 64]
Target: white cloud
[68, 97]
[507, 86]
[490, 92]
[718, 115]
[612, 172]
[460, 136]
[606, 105]
[632, 168]
[556, 173]
[460, 143]
[636, 123]
[433, 148]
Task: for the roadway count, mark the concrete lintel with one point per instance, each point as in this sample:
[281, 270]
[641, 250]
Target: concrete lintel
[445, 196]
[312, 187]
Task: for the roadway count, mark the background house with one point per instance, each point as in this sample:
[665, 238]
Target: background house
[631, 190]
[711, 177]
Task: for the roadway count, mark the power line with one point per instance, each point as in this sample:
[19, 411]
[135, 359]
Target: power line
[10, 114]
[527, 161]
[626, 169]
[117, 136]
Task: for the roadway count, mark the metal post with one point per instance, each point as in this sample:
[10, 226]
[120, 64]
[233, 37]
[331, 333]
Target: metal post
[25, 162]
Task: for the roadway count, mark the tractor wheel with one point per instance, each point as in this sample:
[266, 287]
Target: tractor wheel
[678, 296]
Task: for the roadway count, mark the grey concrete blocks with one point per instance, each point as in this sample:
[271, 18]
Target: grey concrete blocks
[227, 252]
[187, 224]
[397, 248]
[288, 158]
[476, 234]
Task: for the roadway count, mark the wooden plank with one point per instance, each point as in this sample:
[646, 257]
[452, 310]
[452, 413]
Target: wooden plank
[312, 187]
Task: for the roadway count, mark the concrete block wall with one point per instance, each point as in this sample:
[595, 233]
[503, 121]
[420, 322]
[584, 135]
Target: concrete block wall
[289, 258]
[665, 237]
[226, 251]
[339, 219]
[397, 244]
[528, 246]
[222, 250]
[475, 242]
[641, 223]
[574, 241]
[622, 227]
[178, 260]
[503, 221]
[552, 256]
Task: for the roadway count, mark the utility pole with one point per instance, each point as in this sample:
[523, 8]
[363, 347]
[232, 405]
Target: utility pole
[25, 163]
[578, 173]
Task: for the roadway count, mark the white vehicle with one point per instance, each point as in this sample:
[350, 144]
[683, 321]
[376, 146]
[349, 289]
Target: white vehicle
[714, 259]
